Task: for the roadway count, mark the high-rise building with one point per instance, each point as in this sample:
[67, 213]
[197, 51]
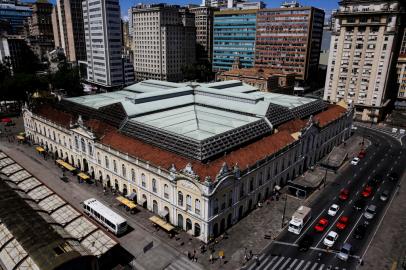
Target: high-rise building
[363, 53]
[41, 37]
[204, 32]
[102, 25]
[401, 68]
[234, 36]
[16, 15]
[164, 40]
[67, 23]
[289, 39]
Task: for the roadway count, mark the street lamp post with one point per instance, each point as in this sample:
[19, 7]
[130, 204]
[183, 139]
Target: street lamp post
[284, 209]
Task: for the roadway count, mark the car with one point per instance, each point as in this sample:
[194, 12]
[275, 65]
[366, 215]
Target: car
[362, 154]
[330, 239]
[384, 195]
[359, 231]
[344, 194]
[367, 192]
[305, 243]
[345, 252]
[332, 211]
[321, 225]
[393, 177]
[360, 204]
[355, 161]
[370, 211]
[342, 223]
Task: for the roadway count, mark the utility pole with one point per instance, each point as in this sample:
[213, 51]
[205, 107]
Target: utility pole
[284, 210]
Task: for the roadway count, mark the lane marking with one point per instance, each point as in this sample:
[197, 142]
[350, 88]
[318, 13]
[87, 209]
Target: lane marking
[292, 264]
[330, 227]
[353, 228]
[314, 266]
[285, 263]
[307, 265]
[278, 262]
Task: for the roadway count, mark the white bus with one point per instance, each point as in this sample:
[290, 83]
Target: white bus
[110, 219]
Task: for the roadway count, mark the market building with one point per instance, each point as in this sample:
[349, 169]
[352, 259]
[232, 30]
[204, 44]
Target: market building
[200, 156]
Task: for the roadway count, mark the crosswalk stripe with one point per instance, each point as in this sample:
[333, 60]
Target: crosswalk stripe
[299, 265]
[292, 264]
[321, 266]
[183, 263]
[314, 266]
[263, 263]
[307, 265]
[277, 263]
[285, 263]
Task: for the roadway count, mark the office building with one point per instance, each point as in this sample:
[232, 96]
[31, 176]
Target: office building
[199, 156]
[401, 72]
[102, 26]
[12, 48]
[204, 32]
[16, 15]
[41, 37]
[234, 36]
[289, 39]
[67, 24]
[363, 53]
[164, 41]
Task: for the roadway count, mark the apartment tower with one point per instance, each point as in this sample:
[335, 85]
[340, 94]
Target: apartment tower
[102, 25]
[164, 40]
[363, 54]
[67, 24]
[289, 39]
[401, 68]
[204, 32]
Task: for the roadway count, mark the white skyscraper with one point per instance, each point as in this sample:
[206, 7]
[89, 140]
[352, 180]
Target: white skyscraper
[102, 25]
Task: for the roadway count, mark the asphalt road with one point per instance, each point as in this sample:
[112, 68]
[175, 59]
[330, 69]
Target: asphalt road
[383, 157]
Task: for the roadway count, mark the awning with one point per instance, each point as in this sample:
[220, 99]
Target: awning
[132, 196]
[126, 202]
[161, 223]
[164, 213]
[65, 165]
[83, 176]
[22, 138]
[40, 149]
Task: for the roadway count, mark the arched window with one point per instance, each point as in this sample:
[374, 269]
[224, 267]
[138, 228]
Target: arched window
[123, 171]
[242, 190]
[90, 149]
[166, 191]
[98, 158]
[154, 187]
[230, 198]
[188, 203]
[197, 207]
[106, 161]
[180, 198]
[133, 175]
[143, 180]
[70, 143]
[215, 206]
[83, 144]
[114, 165]
[53, 135]
[76, 142]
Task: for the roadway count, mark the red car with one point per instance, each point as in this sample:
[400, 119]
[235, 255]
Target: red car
[361, 154]
[342, 223]
[321, 225]
[367, 192]
[344, 193]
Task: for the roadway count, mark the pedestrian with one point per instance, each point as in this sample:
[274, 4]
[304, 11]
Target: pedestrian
[250, 254]
[194, 254]
[211, 258]
[189, 255]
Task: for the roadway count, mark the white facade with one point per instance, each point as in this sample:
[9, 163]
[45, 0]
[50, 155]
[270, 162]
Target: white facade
[102, 25]
[361, 61]
[163, 42]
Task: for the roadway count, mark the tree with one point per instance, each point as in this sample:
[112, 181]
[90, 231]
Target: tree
[68, 79]
[200, 72]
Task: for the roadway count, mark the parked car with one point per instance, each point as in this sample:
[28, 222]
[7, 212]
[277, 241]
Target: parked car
[384, 195]
[305, 243]
[332, 211]
[330, 239]
[370, 211]
[359, 231]
[355, 161]
[367, 191]
[344, 194]
[345, 252]
[360, 204]
[321, 225]
[362, 154]
[342, 223]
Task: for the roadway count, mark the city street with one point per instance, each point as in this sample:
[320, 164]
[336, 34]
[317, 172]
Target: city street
[382, 158]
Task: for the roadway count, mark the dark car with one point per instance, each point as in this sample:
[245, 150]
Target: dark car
[360, 204]
[393, 177]
[305, 243]
[359, 232]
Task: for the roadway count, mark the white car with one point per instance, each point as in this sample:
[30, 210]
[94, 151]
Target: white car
[355, 161]
[330, 239]
[332, 211]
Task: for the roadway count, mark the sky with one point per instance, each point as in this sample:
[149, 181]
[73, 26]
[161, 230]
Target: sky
[327, 5]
